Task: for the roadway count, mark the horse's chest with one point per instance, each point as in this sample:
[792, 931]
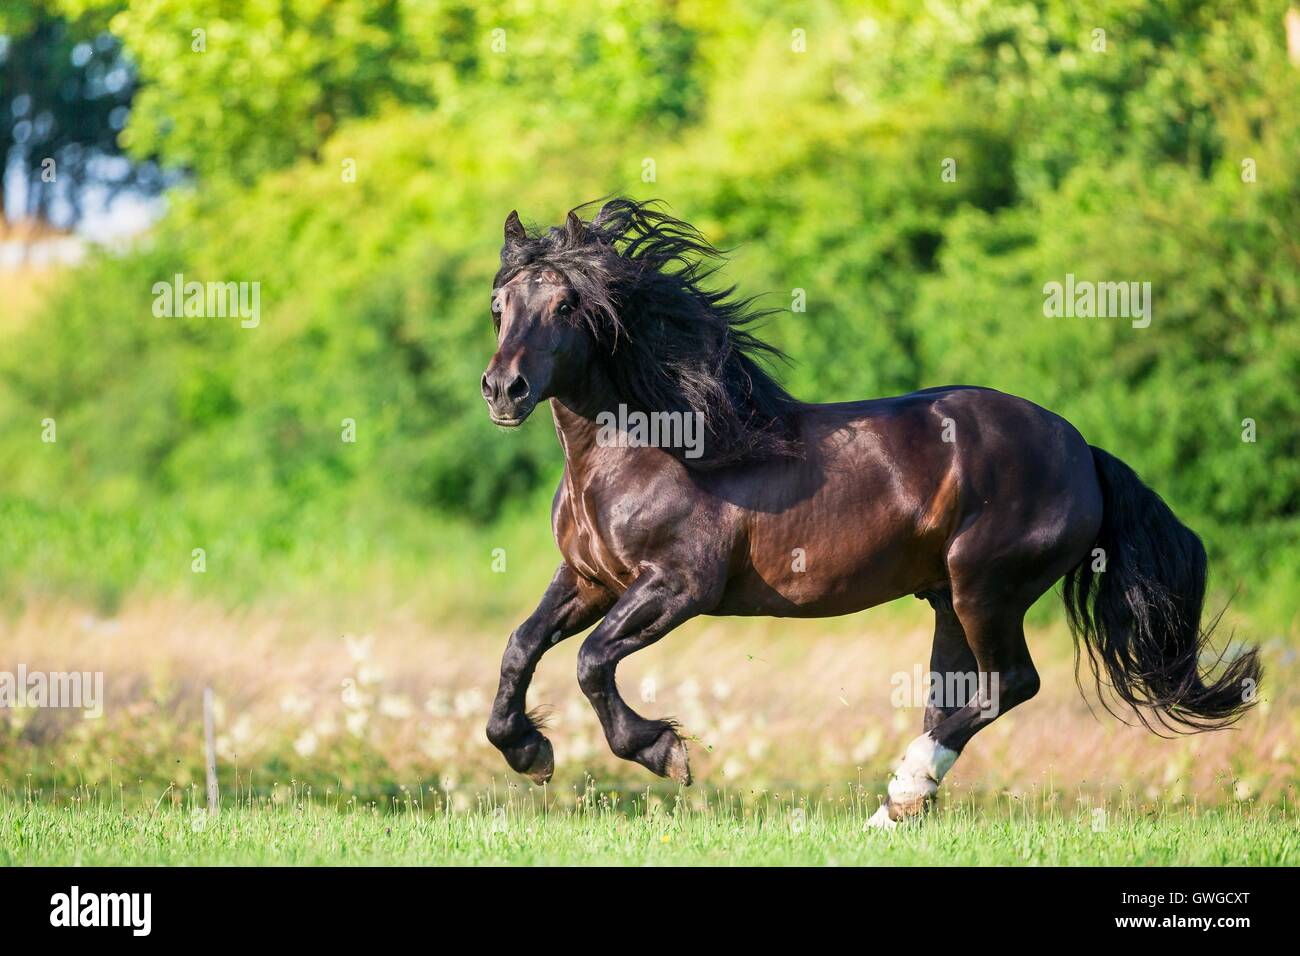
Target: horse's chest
[595, 543]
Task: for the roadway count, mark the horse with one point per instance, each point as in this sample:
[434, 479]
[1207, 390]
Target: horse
[972, 499]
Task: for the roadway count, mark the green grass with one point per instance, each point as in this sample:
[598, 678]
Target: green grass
[613, 830]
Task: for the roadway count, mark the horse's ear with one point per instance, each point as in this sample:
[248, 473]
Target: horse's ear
[606, 212]
[514, 228]
[573, 224]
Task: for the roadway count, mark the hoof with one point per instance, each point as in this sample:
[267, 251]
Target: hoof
[667, 757]
[880, 820]
[677, 767]
[890, 816]
[543, 765]
[910, 806]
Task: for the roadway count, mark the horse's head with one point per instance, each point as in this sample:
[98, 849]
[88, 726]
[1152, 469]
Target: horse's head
[617, 310]
[541, 347]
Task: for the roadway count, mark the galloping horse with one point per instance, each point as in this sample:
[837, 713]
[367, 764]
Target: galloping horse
[975, 500]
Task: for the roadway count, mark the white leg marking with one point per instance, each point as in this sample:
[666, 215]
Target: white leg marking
[923, 766]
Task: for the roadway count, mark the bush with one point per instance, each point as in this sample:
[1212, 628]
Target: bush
[823, 168]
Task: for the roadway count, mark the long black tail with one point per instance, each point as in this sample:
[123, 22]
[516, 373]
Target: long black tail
[1140, 617]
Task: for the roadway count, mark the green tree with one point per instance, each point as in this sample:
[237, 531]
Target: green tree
[65, 92]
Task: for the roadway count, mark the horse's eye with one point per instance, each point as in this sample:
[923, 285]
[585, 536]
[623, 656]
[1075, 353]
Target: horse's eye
[564, 309]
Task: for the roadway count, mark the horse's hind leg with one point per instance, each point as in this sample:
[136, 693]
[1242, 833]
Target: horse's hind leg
[997, 568]
[952, 663]
[953, 671]
[1006, 677]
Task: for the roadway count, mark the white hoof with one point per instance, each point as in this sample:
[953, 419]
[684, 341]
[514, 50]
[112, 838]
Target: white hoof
[880, 820]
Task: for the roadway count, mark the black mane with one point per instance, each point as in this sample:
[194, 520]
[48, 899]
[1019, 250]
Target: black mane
[667, 343]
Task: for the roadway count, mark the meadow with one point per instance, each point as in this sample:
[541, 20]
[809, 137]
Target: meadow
[630, 830]
[369, 747]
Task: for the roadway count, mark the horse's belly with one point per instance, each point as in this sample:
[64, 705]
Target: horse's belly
[827, 575]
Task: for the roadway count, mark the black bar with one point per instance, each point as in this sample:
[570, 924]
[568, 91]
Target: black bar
[956, 904]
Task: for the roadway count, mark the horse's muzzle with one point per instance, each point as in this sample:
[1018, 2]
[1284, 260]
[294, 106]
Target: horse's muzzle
[509, 397]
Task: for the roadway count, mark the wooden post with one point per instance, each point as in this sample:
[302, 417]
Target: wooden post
[210, 742]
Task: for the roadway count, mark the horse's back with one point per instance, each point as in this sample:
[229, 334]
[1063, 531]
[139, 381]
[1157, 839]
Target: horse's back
[887, 485]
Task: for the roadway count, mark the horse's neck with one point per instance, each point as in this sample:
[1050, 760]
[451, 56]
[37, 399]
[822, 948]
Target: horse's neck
[575, 421]
[577, 430]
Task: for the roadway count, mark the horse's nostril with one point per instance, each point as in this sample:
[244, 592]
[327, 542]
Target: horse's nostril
[518, 389]
[487, 389]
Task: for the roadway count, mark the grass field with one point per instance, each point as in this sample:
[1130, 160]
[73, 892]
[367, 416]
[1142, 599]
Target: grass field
[619, 830]
[368, 747]
[767, 706]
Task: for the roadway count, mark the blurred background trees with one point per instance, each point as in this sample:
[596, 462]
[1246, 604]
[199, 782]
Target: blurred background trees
[66, 87]
[1128, 141]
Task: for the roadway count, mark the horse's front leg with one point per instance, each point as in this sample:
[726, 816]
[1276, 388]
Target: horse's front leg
[655, 604]
[571, 604]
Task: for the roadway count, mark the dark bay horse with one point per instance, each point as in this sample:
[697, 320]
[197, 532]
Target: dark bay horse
[975, 500]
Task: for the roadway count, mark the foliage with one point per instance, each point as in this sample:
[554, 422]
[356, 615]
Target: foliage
[822, 168]
[65, 91]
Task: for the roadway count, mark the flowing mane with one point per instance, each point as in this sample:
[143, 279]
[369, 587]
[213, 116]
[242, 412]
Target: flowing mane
[667, 343]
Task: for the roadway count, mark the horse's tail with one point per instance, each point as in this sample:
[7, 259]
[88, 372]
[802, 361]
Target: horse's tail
[1140, 617]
